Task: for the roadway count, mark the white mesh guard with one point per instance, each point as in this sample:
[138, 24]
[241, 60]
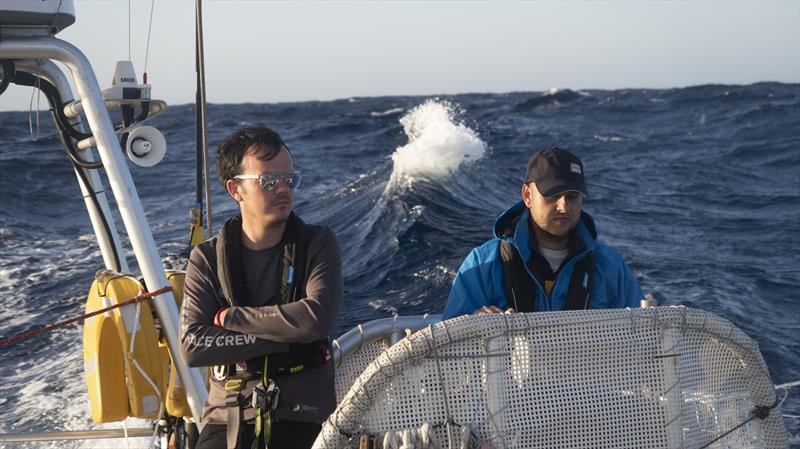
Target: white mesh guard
[669, 377]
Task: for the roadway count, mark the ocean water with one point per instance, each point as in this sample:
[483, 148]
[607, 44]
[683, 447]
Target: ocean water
[698, 188]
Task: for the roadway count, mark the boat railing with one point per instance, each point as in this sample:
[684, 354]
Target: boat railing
[647, 377]
[358, 347]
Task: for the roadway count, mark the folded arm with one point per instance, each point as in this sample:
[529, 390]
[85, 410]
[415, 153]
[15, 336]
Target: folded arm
[308, 319]
[203, 343]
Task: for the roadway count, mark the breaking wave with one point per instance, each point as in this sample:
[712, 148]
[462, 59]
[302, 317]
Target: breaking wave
[437, 144]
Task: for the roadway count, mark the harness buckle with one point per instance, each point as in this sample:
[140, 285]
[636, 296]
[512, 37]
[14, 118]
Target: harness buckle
[259, 398]
[238, 381]
[266, 398]
[234, 384]
[273, 393]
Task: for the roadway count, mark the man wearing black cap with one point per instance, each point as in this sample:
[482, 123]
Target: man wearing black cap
[545, 255]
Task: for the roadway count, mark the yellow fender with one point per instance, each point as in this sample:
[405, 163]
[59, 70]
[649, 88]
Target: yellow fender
[125, 375]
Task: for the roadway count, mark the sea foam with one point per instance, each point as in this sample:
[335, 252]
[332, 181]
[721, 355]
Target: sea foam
[437, 144]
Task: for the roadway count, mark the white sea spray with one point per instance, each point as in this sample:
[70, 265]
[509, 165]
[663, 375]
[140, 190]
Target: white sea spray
[437, 144]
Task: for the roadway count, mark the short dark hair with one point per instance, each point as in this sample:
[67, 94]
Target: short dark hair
[233, 148]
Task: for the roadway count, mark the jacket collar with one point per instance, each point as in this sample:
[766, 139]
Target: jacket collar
[514, 225]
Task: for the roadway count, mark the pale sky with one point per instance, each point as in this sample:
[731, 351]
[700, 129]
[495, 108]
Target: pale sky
[258, 51]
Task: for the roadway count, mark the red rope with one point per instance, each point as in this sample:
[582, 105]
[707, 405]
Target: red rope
[49, 327]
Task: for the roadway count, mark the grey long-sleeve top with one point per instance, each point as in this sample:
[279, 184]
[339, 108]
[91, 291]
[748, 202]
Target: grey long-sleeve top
[264, 326]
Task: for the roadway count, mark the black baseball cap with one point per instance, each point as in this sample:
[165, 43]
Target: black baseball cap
[556, 171]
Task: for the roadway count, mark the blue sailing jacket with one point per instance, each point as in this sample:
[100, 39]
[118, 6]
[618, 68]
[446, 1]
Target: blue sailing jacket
[479, 281]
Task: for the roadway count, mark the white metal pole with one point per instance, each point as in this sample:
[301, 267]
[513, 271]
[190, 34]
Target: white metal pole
[124, 190]
[29, 437]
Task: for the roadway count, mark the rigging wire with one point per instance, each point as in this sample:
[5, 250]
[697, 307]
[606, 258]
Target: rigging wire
[147, 47]
[36, 88]
[129, 30]
[57, 325]
[37, 93]
[786, 387]
[55, 18]
[761, 412]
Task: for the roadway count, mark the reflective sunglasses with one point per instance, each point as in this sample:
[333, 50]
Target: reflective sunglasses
[268, 181]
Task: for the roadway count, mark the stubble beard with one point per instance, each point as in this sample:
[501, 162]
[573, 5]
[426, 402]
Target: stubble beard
[549, 237]
[277, 220]
[553, 238]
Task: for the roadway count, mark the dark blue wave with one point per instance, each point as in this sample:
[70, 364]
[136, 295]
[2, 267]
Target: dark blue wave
[698, 187]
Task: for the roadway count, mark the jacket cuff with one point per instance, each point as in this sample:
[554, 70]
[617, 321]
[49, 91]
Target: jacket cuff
[218, 317]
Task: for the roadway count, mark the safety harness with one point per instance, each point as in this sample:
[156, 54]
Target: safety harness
[250, 383]
[521, 288]
[263, 399]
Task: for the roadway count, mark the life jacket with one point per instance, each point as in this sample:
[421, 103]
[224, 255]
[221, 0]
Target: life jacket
[521, 288]
[232, 283]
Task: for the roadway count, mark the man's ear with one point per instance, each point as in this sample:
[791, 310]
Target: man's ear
[233, 190]
[526, 194]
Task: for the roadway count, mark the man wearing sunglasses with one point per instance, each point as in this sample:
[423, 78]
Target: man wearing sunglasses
[545, 254]
[261, 299]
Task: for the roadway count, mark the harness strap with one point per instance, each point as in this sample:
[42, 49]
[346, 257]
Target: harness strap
[264, 402]
[288, 272]
[580, 284]
[233, 400]
[229, 261]
[295, 243]
[234, 418]
[267, 430]
[520, 290]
